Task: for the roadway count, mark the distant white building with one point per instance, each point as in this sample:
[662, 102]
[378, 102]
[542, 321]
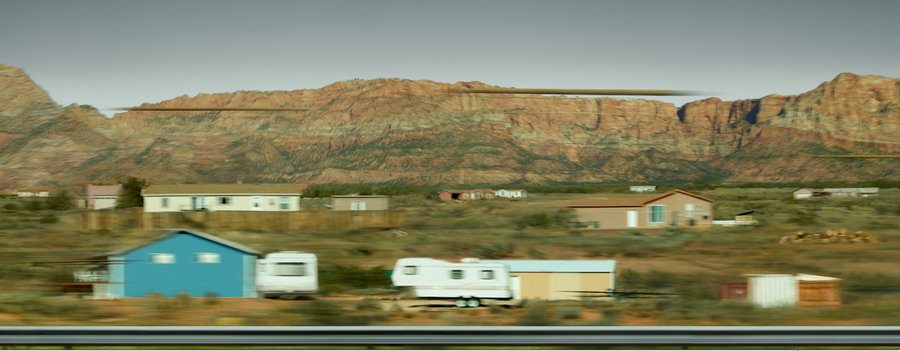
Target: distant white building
[643, 188]
[33, 193]
[517, 193]
[803, 193]
[843, 192]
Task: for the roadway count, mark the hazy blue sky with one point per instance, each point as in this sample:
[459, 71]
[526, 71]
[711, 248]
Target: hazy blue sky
[123, 53]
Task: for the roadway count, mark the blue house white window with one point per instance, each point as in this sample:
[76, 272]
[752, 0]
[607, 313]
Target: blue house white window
[161, 258]
[206, 257]
[657, 214]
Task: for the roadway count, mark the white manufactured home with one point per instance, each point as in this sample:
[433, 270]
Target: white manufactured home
[511, 194]
[222, 197]
[287, 274]
[467, 282]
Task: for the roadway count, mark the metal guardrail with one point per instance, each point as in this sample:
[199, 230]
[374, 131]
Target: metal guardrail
[450, 336]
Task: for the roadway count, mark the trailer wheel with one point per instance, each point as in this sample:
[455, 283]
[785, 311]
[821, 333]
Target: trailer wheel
[461, 302]
[473, 302]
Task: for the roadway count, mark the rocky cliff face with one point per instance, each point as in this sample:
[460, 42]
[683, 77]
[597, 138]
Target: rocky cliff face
[391, 130]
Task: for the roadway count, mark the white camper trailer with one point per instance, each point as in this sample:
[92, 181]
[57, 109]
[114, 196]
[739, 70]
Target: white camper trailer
[468, 282]
[287, 274]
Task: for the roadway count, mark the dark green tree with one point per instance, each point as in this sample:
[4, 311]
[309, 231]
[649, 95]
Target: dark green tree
[131, 194]
[60, 202]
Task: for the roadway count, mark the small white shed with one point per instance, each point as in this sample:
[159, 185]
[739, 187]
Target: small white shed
[772, 290]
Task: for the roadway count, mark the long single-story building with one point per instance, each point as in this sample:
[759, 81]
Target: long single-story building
[560, 279]
[674, 208]
[466, 195]
[33, 193]
[222, 197]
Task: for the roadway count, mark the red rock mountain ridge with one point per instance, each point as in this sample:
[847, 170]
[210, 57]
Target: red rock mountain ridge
[393, 130]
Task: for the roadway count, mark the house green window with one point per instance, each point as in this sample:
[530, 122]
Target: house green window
[657, 214]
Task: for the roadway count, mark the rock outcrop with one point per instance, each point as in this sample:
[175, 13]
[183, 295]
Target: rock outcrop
[392, 130]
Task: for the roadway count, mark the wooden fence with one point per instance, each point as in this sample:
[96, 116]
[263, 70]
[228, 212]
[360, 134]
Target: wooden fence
[325, 220]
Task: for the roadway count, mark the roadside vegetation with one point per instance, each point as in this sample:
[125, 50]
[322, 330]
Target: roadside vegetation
[687, 263]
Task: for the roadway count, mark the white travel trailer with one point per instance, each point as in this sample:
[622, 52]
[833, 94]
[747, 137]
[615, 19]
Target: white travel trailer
[468, 282]
[287, 274]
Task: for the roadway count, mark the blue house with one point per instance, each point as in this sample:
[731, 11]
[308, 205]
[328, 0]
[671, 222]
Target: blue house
[184, 261]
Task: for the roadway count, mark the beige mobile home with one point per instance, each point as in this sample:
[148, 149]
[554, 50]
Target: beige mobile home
[674, 208]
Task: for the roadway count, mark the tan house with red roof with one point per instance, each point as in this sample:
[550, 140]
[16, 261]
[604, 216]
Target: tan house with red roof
[674, 208]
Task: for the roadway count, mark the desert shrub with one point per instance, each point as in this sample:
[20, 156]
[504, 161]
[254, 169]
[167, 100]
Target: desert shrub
[356, 278]
[48, 219]
[319, 312]
[494, 250]
[538, 313]
[537, 253]
[802, 218]
[10, 207]
[495, 309]
[362, 251]
[62, 306]
[535, 220]
[368, 304]
[34, 205]
[211, 298]
[570, 312]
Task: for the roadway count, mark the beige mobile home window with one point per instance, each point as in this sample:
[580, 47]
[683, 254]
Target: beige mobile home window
[487, 274]
[161, 258]
[456, 274]
[688, 210]
[224, 200]
[657, 214]
[291, 269]
[206, 257]
[410, 270]
[165, 202]
[285, 203]
[358, 206]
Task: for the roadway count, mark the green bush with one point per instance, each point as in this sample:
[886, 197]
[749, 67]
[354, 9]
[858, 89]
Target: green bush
[570, 312]
[536, 220]
[368, 304]
[10, 207]
[354, 277]
[48, 219]
[537, 253]
[538, 314]
[495, 250]
[802, 218]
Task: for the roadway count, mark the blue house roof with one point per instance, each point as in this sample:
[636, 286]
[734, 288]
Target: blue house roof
[198, 234]
[559, 266]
